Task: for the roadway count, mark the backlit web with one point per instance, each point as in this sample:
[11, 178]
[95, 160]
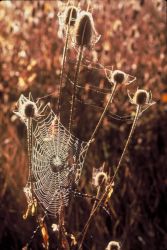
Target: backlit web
[57, 161]
[56, 157]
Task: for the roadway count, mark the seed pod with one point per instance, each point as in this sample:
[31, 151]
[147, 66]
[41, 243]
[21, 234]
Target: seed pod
[71, 15]
[141, 96]
[30, 110]
[100, 179]
[118, 76]
[113, 245]
[84, 29]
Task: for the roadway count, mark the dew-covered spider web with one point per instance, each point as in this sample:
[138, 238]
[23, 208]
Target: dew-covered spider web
[57, 161]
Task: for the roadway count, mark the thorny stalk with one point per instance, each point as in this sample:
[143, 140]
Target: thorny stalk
[80, 54]
[111, 182]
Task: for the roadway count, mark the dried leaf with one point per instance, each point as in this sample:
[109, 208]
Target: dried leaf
[109, 195]
[74, 241]
[27, 213]
[55, 227]
[45, 235]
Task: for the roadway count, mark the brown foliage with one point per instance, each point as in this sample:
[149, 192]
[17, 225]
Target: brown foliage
[133, 40]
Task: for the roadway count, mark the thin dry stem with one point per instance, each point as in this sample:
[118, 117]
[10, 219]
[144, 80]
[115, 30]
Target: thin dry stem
[127, 142]
[111, 182]
[92, 136]
[104, 112]
[63, 68]
[88, 6]
[80, 53]
[29, 142]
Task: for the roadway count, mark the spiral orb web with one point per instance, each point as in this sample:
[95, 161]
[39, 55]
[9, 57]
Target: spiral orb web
[57, 161]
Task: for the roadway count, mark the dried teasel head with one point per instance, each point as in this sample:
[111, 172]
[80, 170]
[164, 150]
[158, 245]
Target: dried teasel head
[85, 34]
[118, 76]
[26, 108]
[67, 17]
[113, 245]
[141, 97]
[100, 178]
[70, 15]
[30, 110]
[84, 29]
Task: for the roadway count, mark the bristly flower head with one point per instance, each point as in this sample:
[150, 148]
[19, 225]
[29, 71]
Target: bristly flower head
[26, 109]
[141, 97]
[70, 15]
[113, 245]
[67, 17]
[119, 77]
[100, 178]
[85, 33]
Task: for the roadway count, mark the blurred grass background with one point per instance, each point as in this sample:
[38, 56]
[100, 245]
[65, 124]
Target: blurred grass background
[133, 40]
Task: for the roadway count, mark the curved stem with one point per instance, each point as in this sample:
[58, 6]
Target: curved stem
[111, 182]
[63, 68]
[80, 53]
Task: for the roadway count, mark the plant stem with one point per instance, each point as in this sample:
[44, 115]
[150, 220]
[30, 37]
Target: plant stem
[92, 136]
[29, 142]
[111, 182]
[104, 112]
[63, 68]
[102, 116]
[80, 53]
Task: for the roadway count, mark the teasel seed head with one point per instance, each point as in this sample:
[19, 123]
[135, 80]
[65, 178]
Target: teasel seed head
[141, 97]
[118, 76]
[84, 29]
[113, 245]
[30, 110]
[71, 15]
[100, 179]
[26, 108]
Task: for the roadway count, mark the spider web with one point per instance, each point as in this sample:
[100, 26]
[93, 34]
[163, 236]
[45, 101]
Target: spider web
[57, 161]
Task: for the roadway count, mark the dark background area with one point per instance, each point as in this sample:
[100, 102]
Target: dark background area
[133, 40]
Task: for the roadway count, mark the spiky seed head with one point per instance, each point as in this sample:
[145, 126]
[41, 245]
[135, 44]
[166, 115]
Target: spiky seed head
[100, 179]
[118, 76]
[30, 109]
[84, 29]
[71, 15]
[141, 97]
[113, 245]
[26, 108]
